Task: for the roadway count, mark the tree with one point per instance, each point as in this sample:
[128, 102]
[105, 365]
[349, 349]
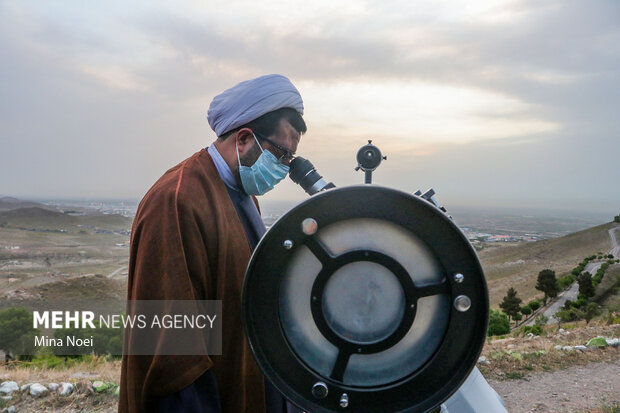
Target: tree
[547, 284]
[585, 284]
[534, 305]
[16, 331]
[498, 323]
[510, 304]
[590, 312]
[526, 310]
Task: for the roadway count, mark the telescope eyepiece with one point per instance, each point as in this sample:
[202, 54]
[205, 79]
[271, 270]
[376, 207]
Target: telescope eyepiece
[303, 173]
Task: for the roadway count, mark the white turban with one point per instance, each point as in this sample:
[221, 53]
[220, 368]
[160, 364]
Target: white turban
[250, 100]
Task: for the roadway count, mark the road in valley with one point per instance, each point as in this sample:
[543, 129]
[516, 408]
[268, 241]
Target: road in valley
[613, 233]
[573, 292]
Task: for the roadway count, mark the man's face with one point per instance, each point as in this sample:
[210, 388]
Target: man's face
[285, 136]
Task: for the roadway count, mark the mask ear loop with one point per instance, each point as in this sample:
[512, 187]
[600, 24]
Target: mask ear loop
[237, 149]
[256, 139]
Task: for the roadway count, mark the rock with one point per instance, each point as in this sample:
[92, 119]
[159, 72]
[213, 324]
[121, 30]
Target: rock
[38, 390]
[100, 386]
[11, 409]
[7, 397]
[65, 389]
[613, 342]
[529, 335]
[85, 386]
[84, 375]
[597, 342]
[581, 348]
[25, 387]
[562, 331]
[53, 387]
[483, 360]
[558, 347]
[567, 348]
[8, 387]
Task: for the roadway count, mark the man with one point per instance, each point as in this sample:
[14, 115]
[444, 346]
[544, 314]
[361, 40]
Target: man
[192, 239]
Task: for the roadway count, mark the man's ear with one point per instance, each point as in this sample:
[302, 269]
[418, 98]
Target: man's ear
[244, 139]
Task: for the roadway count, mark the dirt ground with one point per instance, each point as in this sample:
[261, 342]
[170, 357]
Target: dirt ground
[590, 388]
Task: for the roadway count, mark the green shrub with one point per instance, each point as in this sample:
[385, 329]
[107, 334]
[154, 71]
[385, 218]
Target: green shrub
[580, 302]
[526, 310]
[534, 305]
[498, 323]
[566, 281]
[16, 331]
[571, 314]
[535, 329]
[541, 320]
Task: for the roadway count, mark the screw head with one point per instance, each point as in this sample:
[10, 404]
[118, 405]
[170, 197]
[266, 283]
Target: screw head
[288, 244]
[458, 277]
[319, 390]
[462, 303]
[309, 226]
[344, 400]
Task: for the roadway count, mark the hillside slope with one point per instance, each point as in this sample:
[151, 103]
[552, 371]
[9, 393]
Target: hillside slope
[518, 265]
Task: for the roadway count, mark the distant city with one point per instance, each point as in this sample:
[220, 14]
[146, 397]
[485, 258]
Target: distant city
[479, 224]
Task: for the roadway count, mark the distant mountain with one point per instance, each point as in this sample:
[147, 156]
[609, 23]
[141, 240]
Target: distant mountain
[8, 203]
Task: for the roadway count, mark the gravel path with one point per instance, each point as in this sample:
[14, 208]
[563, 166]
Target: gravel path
[574, 389]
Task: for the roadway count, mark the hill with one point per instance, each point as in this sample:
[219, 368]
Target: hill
[518, 265]
[8, 203]
[37, 218]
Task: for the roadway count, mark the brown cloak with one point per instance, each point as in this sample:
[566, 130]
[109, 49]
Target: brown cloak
[188, 243]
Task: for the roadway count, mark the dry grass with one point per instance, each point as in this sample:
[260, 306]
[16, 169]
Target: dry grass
[517, 357]
[109, 371]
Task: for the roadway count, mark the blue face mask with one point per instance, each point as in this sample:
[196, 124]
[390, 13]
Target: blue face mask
[261, 177]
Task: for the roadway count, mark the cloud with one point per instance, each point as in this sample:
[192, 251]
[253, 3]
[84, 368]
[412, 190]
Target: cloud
[471, 94]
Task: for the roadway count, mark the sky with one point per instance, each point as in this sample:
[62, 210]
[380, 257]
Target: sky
[494, 103]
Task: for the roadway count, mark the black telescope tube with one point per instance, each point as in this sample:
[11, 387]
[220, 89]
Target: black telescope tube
[303, 173]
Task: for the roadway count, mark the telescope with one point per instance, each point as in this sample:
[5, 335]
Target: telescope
[368, 299]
